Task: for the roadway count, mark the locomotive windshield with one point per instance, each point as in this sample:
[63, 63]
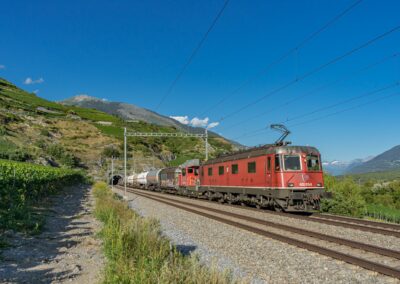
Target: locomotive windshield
[313, 164]
[292, 162]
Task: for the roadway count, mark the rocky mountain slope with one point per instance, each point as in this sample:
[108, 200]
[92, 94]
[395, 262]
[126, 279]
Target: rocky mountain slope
[132, 112]
[41, 131]
[125, 111]
[387, 161]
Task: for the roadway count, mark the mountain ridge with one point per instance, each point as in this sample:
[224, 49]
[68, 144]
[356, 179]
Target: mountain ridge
[386, 161]
[133, 112]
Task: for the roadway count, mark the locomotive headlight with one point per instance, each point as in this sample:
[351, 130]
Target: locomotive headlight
[290, 184]
[319, 184]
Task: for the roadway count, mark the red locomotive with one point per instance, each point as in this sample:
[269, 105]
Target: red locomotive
[286, 178]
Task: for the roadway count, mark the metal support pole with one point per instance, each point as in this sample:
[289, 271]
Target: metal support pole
[125, 161]
[206, 144]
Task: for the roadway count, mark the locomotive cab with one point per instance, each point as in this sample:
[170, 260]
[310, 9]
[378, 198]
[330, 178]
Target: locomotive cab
[189, 176]
[299, 172]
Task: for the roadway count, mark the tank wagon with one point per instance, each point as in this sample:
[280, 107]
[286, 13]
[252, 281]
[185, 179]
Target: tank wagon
[153, 179]
[286, 178]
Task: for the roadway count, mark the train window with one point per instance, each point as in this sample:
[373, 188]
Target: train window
[251, 167]
[210, 171]
[235, 169]
[292, 162]
[183, 172]
[190, 171]
[221, 170]
[313, 164]
[269, 164]
[277, 163]
[196, 171]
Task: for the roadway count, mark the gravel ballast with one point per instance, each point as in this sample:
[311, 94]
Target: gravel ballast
[257, 259]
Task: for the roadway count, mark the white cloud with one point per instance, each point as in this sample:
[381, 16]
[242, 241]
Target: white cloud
[197, 122]
[212, 125]
[2, 66]
[36, 91]
[29, 81]
[182, 119]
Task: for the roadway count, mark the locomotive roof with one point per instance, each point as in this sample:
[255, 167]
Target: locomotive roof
[263, 150]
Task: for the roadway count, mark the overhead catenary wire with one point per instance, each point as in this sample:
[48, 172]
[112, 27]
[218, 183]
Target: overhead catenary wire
[312, 72]
[193, 54]
[345, 110]
[286, 55]
[315, 90]
[385, 88]
[258, 132]
[370, 93]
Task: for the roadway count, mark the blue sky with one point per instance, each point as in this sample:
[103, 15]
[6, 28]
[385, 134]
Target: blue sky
[131, 51]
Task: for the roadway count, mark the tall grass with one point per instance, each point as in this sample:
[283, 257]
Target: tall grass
[136, 251]
[383, 213]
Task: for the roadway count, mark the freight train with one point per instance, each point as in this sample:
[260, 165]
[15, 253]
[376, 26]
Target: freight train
[285, 178]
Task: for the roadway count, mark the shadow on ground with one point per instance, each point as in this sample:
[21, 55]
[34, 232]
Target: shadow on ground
[31, 259]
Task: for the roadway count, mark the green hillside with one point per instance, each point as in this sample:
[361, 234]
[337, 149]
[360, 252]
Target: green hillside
[374, 176]
[38, 130]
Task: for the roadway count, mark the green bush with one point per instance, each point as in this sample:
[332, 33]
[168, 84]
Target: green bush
[111, 151]
[62, 156]
[9, 151]
[347, 198]
[23, 184]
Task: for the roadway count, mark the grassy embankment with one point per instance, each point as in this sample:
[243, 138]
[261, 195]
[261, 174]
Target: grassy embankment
[371, 199]
[23, 186]
[137, 252]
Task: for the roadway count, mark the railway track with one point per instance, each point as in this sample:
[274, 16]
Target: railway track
[357, 221]
[205, 212]
[386, 229]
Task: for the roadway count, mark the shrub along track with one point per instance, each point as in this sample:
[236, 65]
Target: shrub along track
[367, 264]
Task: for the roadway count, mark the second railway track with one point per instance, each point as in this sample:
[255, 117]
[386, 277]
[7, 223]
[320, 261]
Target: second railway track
[367, 264]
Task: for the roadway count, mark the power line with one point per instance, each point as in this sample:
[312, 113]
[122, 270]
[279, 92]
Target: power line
[329, 115]
[345, 110]
[319, 88]
[312, 72]
[385, 88]
[382, 89]
[193, 54]
[287, 54]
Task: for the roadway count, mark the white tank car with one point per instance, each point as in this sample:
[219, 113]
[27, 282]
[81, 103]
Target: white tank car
[132, 180]
[142, 179]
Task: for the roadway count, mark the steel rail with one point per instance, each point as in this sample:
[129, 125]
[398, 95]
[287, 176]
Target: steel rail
[323, 237]
[358, 221]
[360, 227]
[380, 268]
